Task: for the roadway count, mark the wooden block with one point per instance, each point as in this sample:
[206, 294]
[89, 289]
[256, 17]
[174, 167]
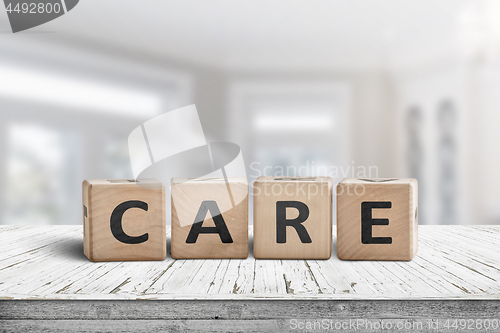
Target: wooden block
[209, 218]
[124, 220]
[292, 218]
[377, 219]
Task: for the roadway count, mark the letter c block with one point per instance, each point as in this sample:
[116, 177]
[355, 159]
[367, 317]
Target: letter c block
[124, 220]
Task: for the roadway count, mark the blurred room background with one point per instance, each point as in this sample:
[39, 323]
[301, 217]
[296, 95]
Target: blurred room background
[408, 88]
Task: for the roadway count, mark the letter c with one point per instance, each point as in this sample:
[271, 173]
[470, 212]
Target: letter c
[116, 222]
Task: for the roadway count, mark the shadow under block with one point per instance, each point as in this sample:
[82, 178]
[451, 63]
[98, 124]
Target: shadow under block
[377, 219]
[209, 218]
[124, 220]
[292, 218]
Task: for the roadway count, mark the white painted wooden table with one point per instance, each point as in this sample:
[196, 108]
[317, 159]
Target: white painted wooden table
[456, 273]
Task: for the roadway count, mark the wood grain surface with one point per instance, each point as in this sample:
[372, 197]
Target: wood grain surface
[47, 262]
[239, 315]
[47, 284]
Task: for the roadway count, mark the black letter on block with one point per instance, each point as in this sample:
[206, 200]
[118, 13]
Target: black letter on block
[367, 222]
[282, 222]
[116, 222]
[220, 226]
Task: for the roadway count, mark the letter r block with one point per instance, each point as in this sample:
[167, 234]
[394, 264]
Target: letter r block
[209, 218]
[124, 220]
[292, 218]
[377, 219]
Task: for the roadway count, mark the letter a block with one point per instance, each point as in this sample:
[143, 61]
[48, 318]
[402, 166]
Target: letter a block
[377, 219]
[209, 218]
[124, 220]
[292, 218]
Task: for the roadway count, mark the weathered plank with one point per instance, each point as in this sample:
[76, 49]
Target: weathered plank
[453, 262]
[245, 309]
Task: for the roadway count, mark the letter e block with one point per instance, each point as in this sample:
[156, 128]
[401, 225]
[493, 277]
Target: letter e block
[209, 218]
[377, 219]
[292, 218]
[124, 220]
